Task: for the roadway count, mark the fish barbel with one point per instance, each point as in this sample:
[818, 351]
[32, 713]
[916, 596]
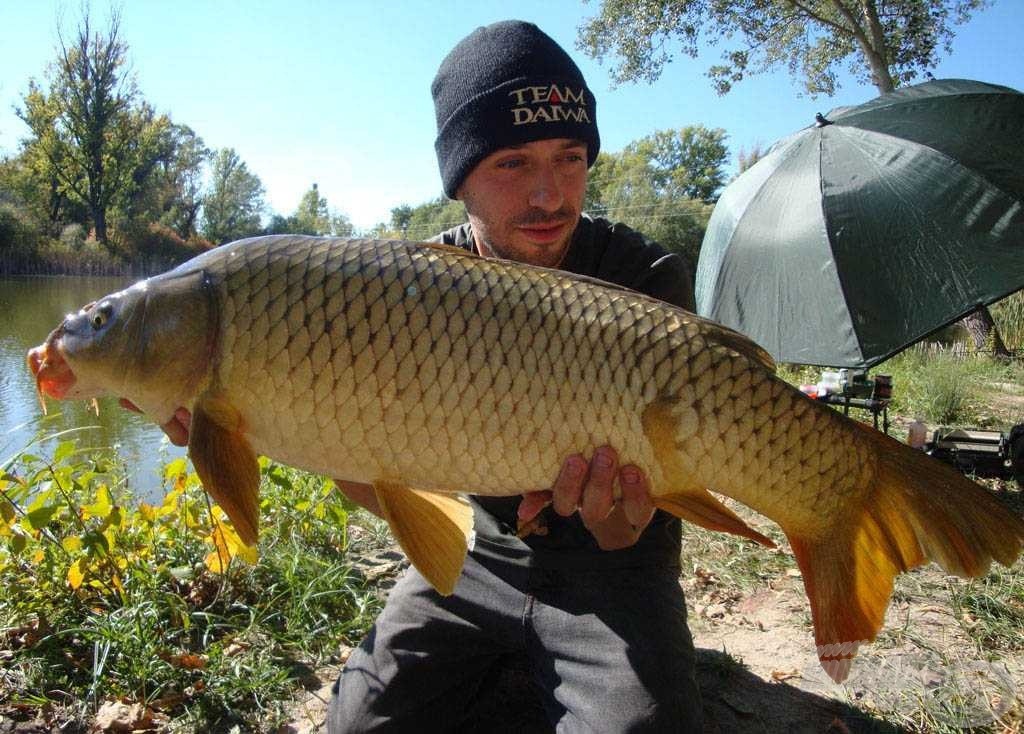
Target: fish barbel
[431, 373]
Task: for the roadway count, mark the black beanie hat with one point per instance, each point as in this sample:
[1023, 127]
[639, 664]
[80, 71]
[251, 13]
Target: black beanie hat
[506, 84]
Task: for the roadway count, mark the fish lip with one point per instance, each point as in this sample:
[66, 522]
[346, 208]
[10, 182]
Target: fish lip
[47, 364]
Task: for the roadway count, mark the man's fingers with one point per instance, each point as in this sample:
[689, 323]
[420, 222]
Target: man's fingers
[597, 495]
[569, 485]
[636, 496]
[177, 427]
[532, 503]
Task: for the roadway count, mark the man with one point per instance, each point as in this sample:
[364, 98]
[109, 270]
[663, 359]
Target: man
[590, 594]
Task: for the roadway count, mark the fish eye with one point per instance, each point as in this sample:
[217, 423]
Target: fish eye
[100, 316]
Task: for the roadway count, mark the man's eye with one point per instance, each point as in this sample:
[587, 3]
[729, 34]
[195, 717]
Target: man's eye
[511, 163]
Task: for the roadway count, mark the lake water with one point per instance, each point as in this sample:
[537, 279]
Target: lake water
[29, 308]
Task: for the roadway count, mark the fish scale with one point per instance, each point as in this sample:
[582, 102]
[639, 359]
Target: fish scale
[485, 341]
[429, 372]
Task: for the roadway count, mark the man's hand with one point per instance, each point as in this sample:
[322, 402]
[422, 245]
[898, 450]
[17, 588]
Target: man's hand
[176, 428]
[588, 488]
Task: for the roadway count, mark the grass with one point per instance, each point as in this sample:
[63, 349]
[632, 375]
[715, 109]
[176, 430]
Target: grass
[163, 606]
[938, 387]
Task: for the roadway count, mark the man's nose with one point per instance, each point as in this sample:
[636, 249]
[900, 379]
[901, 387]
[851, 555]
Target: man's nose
[545, 190]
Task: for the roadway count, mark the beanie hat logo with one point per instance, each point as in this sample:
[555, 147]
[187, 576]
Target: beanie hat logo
[548, 103]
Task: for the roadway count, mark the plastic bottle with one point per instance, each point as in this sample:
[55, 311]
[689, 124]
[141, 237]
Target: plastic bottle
[917, 434]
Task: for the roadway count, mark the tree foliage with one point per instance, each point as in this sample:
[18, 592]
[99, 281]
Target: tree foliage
[168, 189]
[685, 162]
[234, 204]
[884, 42]
[423, 221]
[313, 216]
[661, 185]
[89, 135]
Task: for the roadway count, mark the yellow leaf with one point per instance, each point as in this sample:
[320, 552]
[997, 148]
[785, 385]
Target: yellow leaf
[148, 512]
[216, 562]
[247, 553]
[38, 556]
[101, 507]
[71, 543]
[175, 468]
[227, 545]
[76, 574]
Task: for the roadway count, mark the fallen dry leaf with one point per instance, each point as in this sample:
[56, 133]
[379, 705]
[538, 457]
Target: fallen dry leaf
[117, 716]
[186, 660]
[781, 675]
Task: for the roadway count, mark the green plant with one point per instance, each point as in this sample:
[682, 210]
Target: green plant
[162, 604]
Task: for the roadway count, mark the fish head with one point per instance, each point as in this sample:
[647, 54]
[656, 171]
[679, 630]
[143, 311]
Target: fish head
[150, 343]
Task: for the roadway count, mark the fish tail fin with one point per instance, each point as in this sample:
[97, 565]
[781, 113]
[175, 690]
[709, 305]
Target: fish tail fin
[917, 510]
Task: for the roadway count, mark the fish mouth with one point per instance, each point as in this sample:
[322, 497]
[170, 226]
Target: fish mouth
[52, 372]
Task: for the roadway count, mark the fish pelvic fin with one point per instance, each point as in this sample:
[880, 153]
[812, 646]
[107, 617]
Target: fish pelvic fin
[917, 510]
[433, 530]
[226, 463]
[685, 500]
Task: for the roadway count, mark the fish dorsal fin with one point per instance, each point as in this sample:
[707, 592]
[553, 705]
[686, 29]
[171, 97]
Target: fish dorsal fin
[451, 249]
[226, 463]
[739, 343]
[433, 530]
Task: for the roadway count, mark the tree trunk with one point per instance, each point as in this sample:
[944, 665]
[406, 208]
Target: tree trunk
[99, 220]
[984, 333]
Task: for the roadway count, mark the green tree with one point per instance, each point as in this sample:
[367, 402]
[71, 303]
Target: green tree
[313, 216]
[234, 204]
[401, 217]
[629, 187]
[748, 158]
[169, 182]
[84, 134]
[686, 162]
[433, 217]
[884, 42]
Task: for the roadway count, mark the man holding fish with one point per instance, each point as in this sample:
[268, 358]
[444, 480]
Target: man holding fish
[433, 373]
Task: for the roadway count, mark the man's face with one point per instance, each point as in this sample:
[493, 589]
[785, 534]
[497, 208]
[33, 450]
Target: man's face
[524, 202]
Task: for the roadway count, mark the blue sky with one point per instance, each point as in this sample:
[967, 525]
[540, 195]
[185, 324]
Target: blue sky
[338, 93]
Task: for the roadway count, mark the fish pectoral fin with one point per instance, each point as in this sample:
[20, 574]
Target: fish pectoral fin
[702, 508]
[433, 530]
[226, 464]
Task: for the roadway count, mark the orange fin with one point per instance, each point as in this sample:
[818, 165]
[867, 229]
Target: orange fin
[682, 498]
[703, 508]
[226, 464]
[433, 530]
[918, 510]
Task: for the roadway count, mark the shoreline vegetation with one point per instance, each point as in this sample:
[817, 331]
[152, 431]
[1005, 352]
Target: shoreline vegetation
[121, 615]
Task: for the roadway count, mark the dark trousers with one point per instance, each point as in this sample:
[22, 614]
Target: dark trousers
[610, 651]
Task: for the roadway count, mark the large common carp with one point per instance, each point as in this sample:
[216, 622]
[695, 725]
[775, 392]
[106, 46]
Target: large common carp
[428, 372]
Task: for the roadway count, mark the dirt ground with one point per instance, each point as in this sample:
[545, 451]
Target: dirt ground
[758, 672]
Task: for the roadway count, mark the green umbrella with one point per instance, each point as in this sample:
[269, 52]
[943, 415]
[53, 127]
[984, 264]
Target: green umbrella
[865, 232]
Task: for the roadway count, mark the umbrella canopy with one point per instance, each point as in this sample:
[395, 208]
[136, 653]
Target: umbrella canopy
[859, 235]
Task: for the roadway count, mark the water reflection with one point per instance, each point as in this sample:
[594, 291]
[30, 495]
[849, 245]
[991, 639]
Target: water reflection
[31, 307]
